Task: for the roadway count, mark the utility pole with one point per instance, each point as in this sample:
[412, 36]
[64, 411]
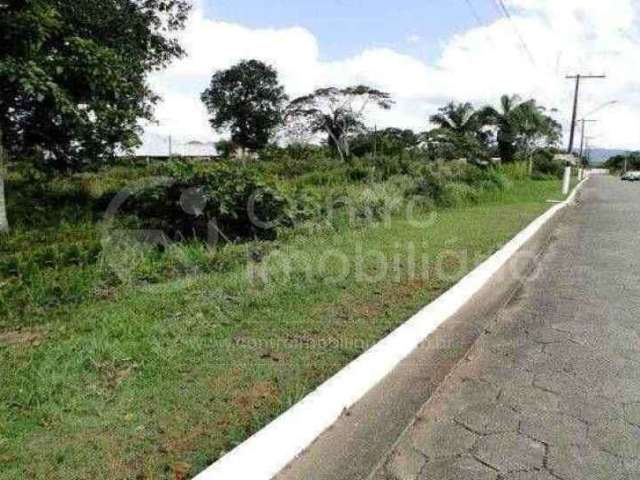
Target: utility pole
[587, 147]
[576, 96]
[584, 121]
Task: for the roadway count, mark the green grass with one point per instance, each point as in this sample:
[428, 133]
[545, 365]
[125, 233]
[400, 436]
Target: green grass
[157, 379]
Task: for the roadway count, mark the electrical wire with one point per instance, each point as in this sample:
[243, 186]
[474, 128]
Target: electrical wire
[474, 13]
[504, 11]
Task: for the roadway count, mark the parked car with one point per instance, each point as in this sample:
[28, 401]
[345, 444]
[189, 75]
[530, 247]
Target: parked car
[631, 177]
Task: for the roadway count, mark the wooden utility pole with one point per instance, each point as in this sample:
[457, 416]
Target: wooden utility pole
[584, 121]
[576, 96]
[587, 148]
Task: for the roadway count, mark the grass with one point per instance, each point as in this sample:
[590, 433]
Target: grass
[157, 379]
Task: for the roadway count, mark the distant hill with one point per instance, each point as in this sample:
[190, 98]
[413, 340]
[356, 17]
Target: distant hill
[601, 155]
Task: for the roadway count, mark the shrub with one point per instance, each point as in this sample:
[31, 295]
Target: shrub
[545, 166]
[383, 167]
[323, 177]
[515, 170]
[430, 185]
[458, 194]
[357, 173]
[206, 200]
[378, 201]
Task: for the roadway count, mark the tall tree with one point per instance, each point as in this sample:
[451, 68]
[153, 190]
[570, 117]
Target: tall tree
[73, 75]
[535, 130]
[337, 112]
[504, 119]
[459, 131]
[248, 100]
[460, 118]
[521, 126]
[390, 141]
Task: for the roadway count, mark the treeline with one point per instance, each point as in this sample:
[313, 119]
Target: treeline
[624, 162]
[248, 101]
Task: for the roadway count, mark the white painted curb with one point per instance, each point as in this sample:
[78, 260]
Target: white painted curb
[271, 449]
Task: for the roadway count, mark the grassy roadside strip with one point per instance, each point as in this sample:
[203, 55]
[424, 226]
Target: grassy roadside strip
[164, 380]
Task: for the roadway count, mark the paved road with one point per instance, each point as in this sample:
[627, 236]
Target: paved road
[552, 389]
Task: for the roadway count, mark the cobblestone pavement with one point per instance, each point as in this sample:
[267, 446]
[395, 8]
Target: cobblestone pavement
[552, 389]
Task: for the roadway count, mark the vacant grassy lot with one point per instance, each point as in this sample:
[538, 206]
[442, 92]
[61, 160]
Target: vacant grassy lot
[157, 371]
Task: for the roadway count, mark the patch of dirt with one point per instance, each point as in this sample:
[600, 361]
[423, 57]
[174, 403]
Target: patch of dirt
[181, 471]
[22, 337]
[260, 393]
[112, 374]
[367, 310]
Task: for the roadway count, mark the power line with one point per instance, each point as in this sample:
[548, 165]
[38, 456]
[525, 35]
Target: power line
[474, 12]
[502, 8]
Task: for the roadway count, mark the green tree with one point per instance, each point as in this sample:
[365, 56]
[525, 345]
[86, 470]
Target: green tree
[248, 100]
[459, 132]
[390, 141]
[337, 112]
[624, 162]
[73, 75]
[504, 120]
[521, 127]
[534, 131]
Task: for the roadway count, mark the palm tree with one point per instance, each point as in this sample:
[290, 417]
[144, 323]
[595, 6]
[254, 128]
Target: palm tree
[520, 126]
[503, 119]
[460, 129]
[459, 118]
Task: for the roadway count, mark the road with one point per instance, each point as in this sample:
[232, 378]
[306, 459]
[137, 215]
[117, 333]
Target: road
[552, 389]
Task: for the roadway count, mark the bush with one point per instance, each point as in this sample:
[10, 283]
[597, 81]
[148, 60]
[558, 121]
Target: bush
[430, 185]
[206, 200]
[378, 201]
[456, 184]
[458, 194]
[545, 166]
[383, 167]
[323, 177]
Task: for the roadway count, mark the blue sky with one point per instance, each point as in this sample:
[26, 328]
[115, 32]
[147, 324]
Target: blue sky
[346, 27]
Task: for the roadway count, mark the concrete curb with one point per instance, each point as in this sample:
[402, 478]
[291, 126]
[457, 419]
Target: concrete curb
[271, 449]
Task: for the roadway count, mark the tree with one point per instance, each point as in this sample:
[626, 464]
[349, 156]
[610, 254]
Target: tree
[534, 130]
[504, 121]
[521, 126]
[337, 112]
[460, 131]
[248, 100]
[625, 162]
[73, 75]
[390, 141]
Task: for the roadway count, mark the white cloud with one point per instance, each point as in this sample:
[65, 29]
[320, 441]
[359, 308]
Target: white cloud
[477, 65]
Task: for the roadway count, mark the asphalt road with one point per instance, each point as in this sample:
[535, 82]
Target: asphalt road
[552, 389]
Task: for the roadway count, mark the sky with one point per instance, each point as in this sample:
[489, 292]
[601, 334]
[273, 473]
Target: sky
[424, 52]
